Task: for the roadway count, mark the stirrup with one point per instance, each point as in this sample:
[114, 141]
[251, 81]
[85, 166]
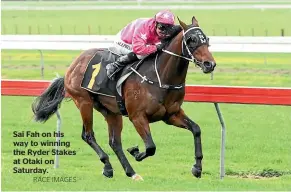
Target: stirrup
[112, 65]
[111, 76]
[110, 70]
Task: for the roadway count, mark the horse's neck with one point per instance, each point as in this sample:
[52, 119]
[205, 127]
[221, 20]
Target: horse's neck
[173, 69]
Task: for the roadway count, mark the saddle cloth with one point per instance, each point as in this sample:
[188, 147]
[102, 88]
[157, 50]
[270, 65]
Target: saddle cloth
[96, 81]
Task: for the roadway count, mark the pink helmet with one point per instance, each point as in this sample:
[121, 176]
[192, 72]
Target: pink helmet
[165, 17]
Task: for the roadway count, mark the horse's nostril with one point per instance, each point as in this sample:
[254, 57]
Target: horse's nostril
[207, 64]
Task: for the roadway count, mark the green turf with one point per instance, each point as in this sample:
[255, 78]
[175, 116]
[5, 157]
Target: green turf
[214, 22]
[257, 139]
[232, 68]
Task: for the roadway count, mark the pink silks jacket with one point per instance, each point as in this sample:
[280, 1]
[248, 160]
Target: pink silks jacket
[141, 34]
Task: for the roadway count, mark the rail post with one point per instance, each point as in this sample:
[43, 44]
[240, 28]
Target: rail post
[59, 123]
[222, 149]
[41, 64]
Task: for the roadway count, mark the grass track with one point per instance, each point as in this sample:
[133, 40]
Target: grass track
[253, 144]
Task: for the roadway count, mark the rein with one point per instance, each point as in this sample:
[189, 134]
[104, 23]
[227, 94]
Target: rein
[159, 83]
[194, 60]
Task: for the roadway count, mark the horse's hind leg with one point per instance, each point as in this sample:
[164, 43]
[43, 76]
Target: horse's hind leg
[142, 126]
[114, 129]
[86, 108]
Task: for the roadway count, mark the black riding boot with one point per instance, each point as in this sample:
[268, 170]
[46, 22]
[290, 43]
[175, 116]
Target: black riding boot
[113, 68]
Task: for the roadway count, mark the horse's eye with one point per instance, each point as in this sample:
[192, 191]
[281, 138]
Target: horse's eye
[194, 39]
[190, 38]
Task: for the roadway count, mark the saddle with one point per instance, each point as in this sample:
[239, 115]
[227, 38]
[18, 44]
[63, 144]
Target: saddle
[96, 81]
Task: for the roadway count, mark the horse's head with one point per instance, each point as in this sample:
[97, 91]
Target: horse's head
[195, 45]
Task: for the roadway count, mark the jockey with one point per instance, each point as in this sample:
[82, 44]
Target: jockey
[141, 38]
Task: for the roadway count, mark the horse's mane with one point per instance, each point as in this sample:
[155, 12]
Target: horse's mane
[176, 30]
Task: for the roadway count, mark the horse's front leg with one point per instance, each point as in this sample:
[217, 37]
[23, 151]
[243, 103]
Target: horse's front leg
[181, 120]
[141, 125]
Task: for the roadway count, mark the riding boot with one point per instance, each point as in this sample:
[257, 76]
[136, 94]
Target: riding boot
[121, 62]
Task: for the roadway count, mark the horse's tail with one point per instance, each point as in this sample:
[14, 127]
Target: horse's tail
[48, 102]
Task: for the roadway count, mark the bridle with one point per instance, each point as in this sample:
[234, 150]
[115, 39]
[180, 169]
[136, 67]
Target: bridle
[191, 58]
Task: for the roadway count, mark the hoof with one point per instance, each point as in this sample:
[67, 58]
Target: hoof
[196, 172]
[108, 173]
[137, 177]
[133, 150]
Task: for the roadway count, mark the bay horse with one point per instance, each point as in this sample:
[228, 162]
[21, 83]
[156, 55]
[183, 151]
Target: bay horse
[145, 103]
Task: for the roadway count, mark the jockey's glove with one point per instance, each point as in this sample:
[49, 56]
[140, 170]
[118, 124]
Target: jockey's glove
[160, 47]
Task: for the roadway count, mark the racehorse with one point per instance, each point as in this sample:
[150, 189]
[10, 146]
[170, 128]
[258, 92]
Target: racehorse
[145, 102]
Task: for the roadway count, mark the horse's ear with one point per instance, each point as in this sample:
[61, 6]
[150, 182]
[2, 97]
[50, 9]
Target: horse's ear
[183, 25]
[194, 21]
